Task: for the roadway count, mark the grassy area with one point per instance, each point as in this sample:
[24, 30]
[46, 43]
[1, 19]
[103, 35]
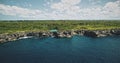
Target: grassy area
[17, 26]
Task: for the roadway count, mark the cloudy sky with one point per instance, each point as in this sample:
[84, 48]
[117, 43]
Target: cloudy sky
[59, 9]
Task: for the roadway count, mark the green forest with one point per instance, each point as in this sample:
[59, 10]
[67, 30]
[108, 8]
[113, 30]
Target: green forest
[46, 25]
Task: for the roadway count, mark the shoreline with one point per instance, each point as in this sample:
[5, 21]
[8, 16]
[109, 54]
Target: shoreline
[60, 34]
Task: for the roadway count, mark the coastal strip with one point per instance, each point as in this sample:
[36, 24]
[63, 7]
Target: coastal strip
[59, 34]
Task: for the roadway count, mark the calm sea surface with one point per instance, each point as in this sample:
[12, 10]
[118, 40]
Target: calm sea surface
[78, 49]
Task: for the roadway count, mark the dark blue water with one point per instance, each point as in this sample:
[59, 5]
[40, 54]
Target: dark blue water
[78, 49]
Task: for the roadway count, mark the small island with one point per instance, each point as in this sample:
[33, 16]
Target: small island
[15, 30]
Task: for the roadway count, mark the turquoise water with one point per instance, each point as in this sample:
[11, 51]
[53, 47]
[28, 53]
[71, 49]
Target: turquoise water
[78, 49]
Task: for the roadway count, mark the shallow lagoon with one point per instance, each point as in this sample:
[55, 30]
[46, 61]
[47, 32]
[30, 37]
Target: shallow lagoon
[78, 49]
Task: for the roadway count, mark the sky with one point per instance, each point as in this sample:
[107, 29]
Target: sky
[59, 9]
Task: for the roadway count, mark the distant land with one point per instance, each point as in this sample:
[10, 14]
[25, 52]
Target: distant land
[15, 30]
[46, 25]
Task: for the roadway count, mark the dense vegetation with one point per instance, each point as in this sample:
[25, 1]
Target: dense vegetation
[17, 26]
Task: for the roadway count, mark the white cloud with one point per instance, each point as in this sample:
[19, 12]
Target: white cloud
[65, 4]
[66, 9]
[70, 2]
[112, 9]
[17, 11]
[73, 11]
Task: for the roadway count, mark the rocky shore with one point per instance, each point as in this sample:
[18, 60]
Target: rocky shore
[96, 33]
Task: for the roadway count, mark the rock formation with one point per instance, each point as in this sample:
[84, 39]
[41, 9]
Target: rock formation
[67, 34]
